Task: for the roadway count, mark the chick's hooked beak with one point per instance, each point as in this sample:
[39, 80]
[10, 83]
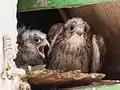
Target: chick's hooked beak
[41, 48]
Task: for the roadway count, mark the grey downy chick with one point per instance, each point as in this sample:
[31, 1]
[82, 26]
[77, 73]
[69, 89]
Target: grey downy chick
[31, 48]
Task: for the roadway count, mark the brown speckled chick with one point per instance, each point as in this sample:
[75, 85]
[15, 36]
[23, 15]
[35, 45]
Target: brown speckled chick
[74, 47]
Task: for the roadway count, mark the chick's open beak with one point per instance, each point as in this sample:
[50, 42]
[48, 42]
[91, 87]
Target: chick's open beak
[41, 48]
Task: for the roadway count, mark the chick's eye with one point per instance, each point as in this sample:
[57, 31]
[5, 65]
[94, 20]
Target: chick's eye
[71, 28]
[37, 40]
[85, 29]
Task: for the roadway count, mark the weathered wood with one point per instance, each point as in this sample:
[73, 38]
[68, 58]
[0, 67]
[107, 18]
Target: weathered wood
[31, 5]
[104, 20]
[97, 85]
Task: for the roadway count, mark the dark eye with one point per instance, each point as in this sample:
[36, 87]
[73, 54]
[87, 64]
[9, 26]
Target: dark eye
[71, 28]
[37, 40]
[85, 29]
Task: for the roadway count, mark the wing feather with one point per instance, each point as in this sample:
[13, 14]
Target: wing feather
[99, 51]
[53, 34]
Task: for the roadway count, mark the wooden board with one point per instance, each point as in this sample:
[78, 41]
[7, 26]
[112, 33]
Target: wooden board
[30, 5]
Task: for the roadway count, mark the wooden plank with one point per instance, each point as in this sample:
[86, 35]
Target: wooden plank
[29, 5]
